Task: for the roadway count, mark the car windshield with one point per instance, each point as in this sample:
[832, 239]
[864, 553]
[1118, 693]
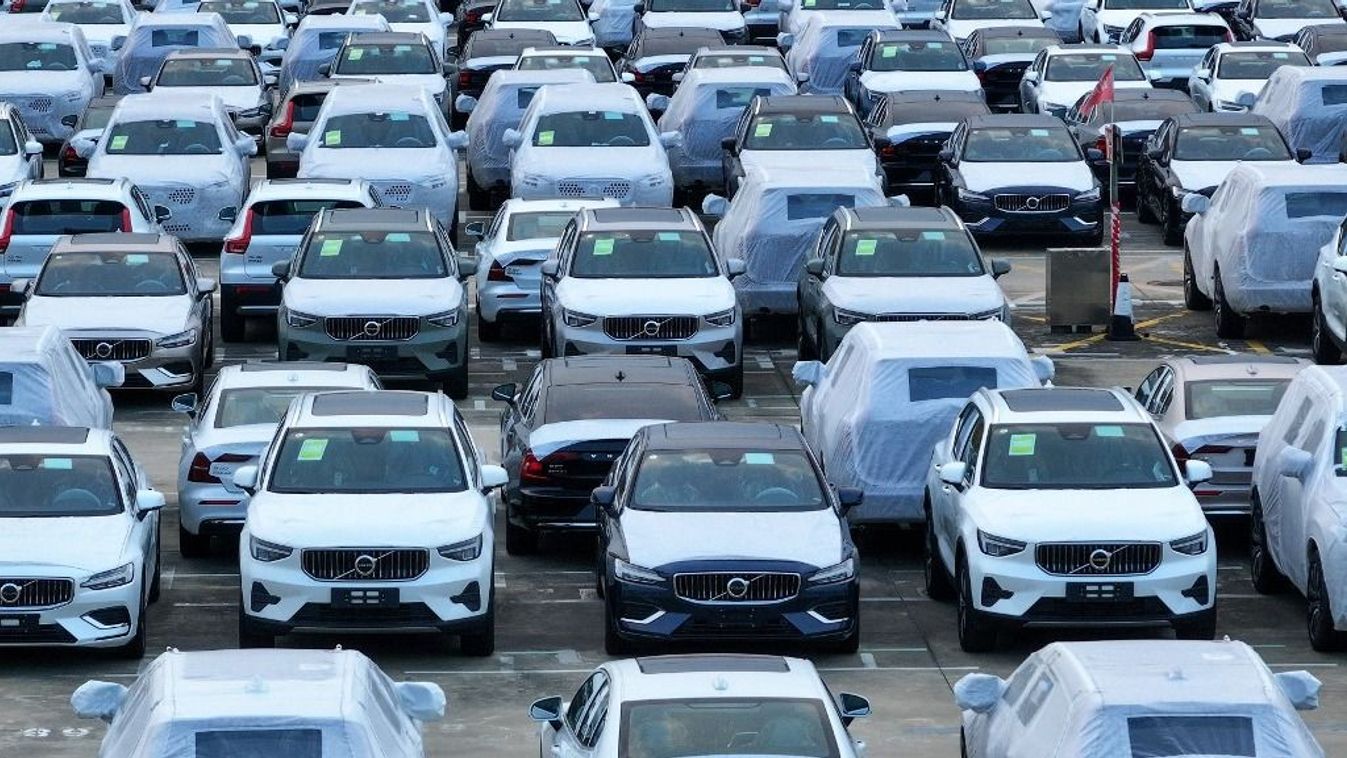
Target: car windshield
[367, 461]
[111, 274]
[917, 56]
[255, 405]
[243, 13]
[690, 6]
[1076, 456]
[207, 72]
[591, 129]
[407, 131]
[643, 255]
[735, 60]
[842, 5]
[534, 225]
[1189, 36]
[721, 479]
[806, 131]
[1316, 203]
[366, 59]
[394, 13]
[579, 402]
[37, 56]
[1015, 45]
[538, 10]
[1088, 67]
[912, 252]
[1215, 398]
[597, 65]
[726, 726]
[1231, 143]
[372, 255]
[95, 13]
[807, 206]
[175, 37]
[182, 136]
[1258, 64]
[975, 10]
[290, 217]
[1020, 144]
[7, 144]
[53, 486]
[1296, 9]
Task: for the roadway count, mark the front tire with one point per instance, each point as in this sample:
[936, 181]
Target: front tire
[1170, 223]
[481, 643]
[1193, 299]
[976, 633]
[250, 636]
[938, 586]
[614, 644]
[134, 649]
[233, 327]
[1324, 637]
[1267, 580]
[1324, 350]
[1229, 325]
[487, 331]
[1144, 212]
[455, 383]
[805, 350]
[519, 540]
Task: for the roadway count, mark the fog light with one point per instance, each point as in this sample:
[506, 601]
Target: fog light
[992, 592]
[1200, 591]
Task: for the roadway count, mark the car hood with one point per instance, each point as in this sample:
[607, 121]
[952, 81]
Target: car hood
[721, 21]
[377, 162]
[853, 160]
[1123, 515]
[593, 162]
[549, 438]
[624, 297]
[198, 170]
[1198, 175]
[655, 538]
[86, 544]
[1067, 93]
[979, 177]
[566, 32]
[162, 315]
[915, 294]
[1285, 27]
[897, 81]
[1229, 90]
[234, 98]
[375, 297]
[45, 82]
[960, 28]
[261, 35]
[330, 520]
[434, 83]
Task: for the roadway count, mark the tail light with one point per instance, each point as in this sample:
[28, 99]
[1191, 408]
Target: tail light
[1101, 144]
[126, 219]
[534, 470]
[6, 230]
[464, 79]
[888, 151]
[1229, 36]
[69, 155]
[200, 469]
[638, 76]
[1148, 52]
[240, 243]
[473, 16]
[497, 273]
[283, 127]
[17, 6]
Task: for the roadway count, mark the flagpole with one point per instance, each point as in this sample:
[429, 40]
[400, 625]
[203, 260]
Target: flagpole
[1115, 215]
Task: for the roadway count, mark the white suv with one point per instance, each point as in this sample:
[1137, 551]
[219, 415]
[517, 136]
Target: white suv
[369, 511]
[1063, 507]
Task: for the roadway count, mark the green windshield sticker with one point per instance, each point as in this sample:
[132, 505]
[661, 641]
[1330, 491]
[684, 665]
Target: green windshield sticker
[828, 119]
[759, 459]
[603, 247]
[1342, 457]
[756, 59]
[46, 47]
[1248, 131]
[1038, 132]
[398, 117]
[119, 142]
[1108, 431]
[889, 51]
[810, 3]
[186, 123]
[866, 247]
[762, 130]
[136, 259]
[937, 236]
[332, 138]
[312, 450]
[934, 45]
[356, 54]
[669, 236]
[402, 48]
[545, 138]
[404, 435]
[1280, 56]
[612, 116]
[330, 248]
[55, 15]
[59, 464]
[1022, 444]
[1108, 57]
[398, 237]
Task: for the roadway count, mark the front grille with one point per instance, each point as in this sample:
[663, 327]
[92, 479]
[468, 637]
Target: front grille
[650, 327]
[1032, 203]
[393, 193]
[35, 593]
[731, 587]
[182, 196]
[113, 349]
[366, 564]
[1075, 558]
[372, 328]
[921, 317]
[618, 189]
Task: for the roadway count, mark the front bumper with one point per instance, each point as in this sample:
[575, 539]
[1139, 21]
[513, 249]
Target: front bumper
[92, 618]
[165, 368]
[433, 351]
[711, 348]
[984, 218]
[627, 191]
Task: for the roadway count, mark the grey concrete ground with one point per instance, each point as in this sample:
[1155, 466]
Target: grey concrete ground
[549, 624]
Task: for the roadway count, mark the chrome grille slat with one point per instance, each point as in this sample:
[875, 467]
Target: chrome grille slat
[358, 328]
[921, 317]
[662, 328]
[116, 350]
[35, 593]
[390, 564]
[1022, 203]
[1073, 558]
[713, 586]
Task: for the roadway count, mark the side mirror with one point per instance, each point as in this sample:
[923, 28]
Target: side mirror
[505, 393]
[946, 155]
[281, 270]
[245, 478]
[550, 269]
[1301, 688]
[1303, 154]
[1000, 267]
[638, 8]
[1246, 99]
[118, 41]
[848, 498]
[185, 403]
[940, 15]
[593, 17]
[714, 205]
[1094, 154]
[70, 121]
[21, 286]
[145, 82]
[245, 146]
[98, 700]
[801, 77]
[721, 391]
[511, 138]
[978, 693]
[465, 104]
[808, 373]
[32, 147]
[605, 498]
[855, 67]
[628, 77]
[785, 40]
[1194, 203]
[852, 707]
[486, 18]
[678, 76]
[284, 42]
[494, 477]
[467, 266]
[148, 501]
[271, 80]
[162, 214]
[457, 140]
[229, 214]
[1044, 15]
[1294, 462]
[423, 701]
[735, 267]
[670, 140]
[547, 711]
[1030, 76]
[295, 142]
[728, 144]
[84, 147]
[475, 229]
[108, 374]
[1340, 264]
[657, 102]
[244, 41]
[953, 473]
[1196, 472]
[1044, 368]
[1202, 73]
[814, 267]
[205, 285]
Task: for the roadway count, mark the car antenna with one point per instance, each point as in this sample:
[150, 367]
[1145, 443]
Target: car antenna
[620, 376]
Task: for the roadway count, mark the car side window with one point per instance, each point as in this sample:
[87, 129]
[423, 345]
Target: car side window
[495, 224]
[126, 471]
[1146, 390]
[963, 427]
[1034, 698]
[1164, 394]
[1314, 437]
[1342, 238]
[1298, 423]
[825, 242]
[1037, 65]
[595, 715]
[973, 449]
[1018, 683]
[473, 455]
[528, 399]
[1132, 30]
[576, 708]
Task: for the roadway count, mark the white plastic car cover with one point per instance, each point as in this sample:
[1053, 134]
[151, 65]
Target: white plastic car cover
[1227, 431]
[504, 99]
[617, 20]
[874, 424]
[549, 438]
[1271, 219]
[44, 381]
[1065, 18]
[316, 42]
[154, 35]
[705, 108]
[45, 97]
[774, 220]
[1309, 105]
[829, 43]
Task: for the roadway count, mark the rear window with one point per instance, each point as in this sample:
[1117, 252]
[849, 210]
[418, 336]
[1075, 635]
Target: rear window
[816, 205]
[207, 72]
[669, 402]
[67, 216]
[291, 217]
[1165, 736]
[1016, 45]
[537, 225]
[331, 40]
[94, 118]
[1308, 204]
[174, 38]
[292, 743]
[1142, 110]
[1334, 94]
[478, 47]
[948, 382]
[680, 45]
[307, 106]
[739, 97]
[525, 96]
[851, 37]
[37, 56]
[1189, 37]
[1217, 398]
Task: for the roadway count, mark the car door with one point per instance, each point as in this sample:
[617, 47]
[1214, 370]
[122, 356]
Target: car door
[1295, 516]
[812, 299]
[1150, 181]
[1279, 494]
[1333, 297]
[1030, 85]
[1199, 85]
[966, 443]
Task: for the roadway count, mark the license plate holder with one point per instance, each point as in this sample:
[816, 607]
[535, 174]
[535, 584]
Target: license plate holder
[1099, 592]
[223, 471]
[24, 622]
[371, 353]
[669, 350]
[363, 597]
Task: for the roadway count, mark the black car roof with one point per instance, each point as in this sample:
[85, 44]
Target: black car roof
[387, 38]
[1272, 42]
[265, 366]
[604, 369]
[913, 35]
[1221, 119]
[484, 42]
[711, 663]
[639, 215]
[800, 104]
[1017, 31]
[1138, 94]
[1240, 358]
[210, 52]
[694, 435]
[994, 120]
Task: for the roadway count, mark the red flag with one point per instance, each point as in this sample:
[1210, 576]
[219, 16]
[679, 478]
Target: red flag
[1102, 93]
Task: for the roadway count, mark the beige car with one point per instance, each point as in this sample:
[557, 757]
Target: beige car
[1212, 408]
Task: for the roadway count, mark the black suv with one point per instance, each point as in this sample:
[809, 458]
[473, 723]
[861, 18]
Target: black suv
[725, 531]
[1329, 40]
[1134, 114]
[560, 433]
[793, 123]
[912, 50]
[484, 54]
[910, 129]
[672, 47]
[1000, 55]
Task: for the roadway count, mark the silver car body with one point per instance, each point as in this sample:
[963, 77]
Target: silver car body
[100, 34]
[249, 105]
[51, 98]
[1213, 89]
[433, 28]
[1172, 65]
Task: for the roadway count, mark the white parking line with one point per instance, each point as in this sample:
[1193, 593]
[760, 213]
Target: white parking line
[204, 605]
[527, 672]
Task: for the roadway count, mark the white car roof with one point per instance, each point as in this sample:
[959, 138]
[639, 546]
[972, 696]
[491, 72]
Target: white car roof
[222, 684]
[569, 98]
[1270, 47]
[715, 676]
[374, 98]
[72, 188]
[789, 178]
[301, 189]
[341, 22]
[68, 440]
[1052, 50]
[936, 339]
[1155, 672]
[163, 104]
[1049, 405]
[300, 374]
[515, 205]
[736, 75]
[874, 19]
[1183, 19]
[558, 51]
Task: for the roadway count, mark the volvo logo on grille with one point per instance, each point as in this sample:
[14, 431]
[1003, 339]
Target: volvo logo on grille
[737, 587]
[9, 593]
[103, 349]
[1100, 559]
[1031, 203]
[372, 328]
[364, 564]
[650, 328]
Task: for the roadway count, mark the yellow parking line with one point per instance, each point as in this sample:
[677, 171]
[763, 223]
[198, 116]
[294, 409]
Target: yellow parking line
[1258, 347]
[1095, 338]
[1190, 345]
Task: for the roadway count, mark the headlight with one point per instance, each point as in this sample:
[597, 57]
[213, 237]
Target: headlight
[844, 317]
[1088, 196]
[834, 574]
[73, 96]
[108, 579]
[447, 318]
[533, 180]
[655, 180]
[1194, 545]
[181, 339]
[576, 318]
[299, 320]
[721, 318]
[267, 552]
[633, 574]
[970, 196]
[998, 547]
[467, 550]
[989, 315]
